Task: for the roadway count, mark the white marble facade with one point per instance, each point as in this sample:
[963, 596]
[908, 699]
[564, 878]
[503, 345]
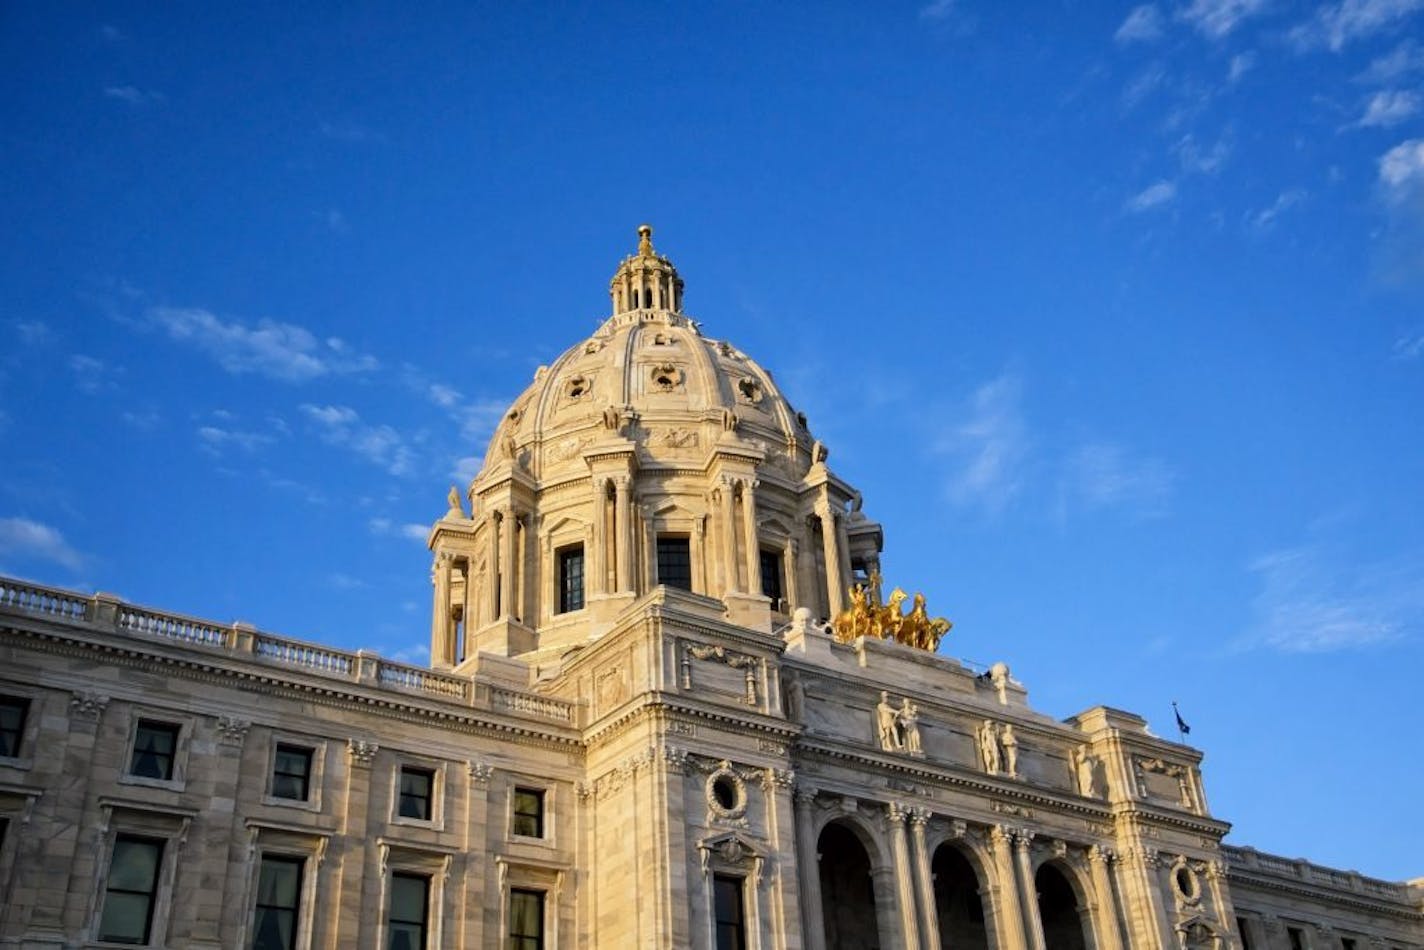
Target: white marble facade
[635, 731]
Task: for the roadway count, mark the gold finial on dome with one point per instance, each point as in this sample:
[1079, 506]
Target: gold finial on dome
[646, 280]
[645, 240]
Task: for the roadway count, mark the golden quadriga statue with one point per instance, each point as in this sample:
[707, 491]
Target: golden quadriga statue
[867, 618]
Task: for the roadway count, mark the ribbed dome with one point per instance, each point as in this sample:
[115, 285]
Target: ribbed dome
[650, 375]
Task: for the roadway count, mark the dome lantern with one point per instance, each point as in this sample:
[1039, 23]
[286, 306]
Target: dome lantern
[646, 280]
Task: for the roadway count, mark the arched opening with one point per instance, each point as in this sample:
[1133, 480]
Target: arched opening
[1058, 908]
[958, 906]
[847, 891]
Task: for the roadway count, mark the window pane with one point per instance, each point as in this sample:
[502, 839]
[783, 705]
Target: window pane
[408, 898]
[135, 865]
[12, 724]
[291, 767]
[280, 882]
[415, 793]
[727, 909]
[526, 919]
[571, 579]
[125, 918]
[407, 937]
[528, 812]
[771, 576]
[675, 563]
[154, 743]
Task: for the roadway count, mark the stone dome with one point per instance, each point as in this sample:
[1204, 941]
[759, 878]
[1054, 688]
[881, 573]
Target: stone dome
[650, 375]
[646, 457]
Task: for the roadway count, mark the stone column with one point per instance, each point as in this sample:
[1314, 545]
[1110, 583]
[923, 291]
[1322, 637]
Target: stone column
[623, 534]
[749, 526]
[924, 880]
[597, 574]
[835, 589]
[1142, 892]
[809, 861]
[492, 566]
[1028, 889]
[440, 653]
[1109, 932]
[467, 611]
[62, 865]
[508, 566]
[1220, 901]
[904, 875]
[729, 537]
[698, 546]
[343, 909]
[1008, 915]
[469, 907]
[789, 562]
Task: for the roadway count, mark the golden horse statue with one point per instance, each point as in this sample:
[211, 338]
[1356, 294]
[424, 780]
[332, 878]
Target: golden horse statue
[865, 618]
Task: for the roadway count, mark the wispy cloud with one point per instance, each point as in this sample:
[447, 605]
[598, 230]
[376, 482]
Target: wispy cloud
[1310, 602]
[1401, 170]
[1404, 60]
[1217, 18]
[215, 440]
[1336, 24]
[21, 538]
[281, 351]
[1154, 196]
[1104, 475]
[1410, 346]
[1241, 64]
[134, 96]
[33, 332]
[379, 444]
[988, 449]
[1143, 25]
[91, 375]
[1200, 159]
[1143, 85]
[1265, 219]
[1389, 107]
[411, 531]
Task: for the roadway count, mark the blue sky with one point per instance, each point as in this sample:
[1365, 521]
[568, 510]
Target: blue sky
[1115, 314]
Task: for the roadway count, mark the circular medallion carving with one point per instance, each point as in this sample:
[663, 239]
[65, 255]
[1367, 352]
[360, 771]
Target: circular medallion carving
[726, 794]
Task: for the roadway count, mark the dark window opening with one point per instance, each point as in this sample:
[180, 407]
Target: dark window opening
[1297, 938]
[13, 710]
[1245, 933]
[131, 890]
[571, 578]
[675, 562]
[155, 744]
[528, 817]
[291, 773]
[771, 581]
[279, 891]
[416, 786]
[526, 920]
[727, 911]
[409, 914]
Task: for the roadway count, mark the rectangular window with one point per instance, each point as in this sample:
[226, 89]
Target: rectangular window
[155, 744]
[279, 891]
[1245, 933]
[291, 772]
[526, 920]
[1347, 943]
[130, 893]
[1297, 938]
[771, 577]
[674, 562]
[528, 813]
[727, 911]
[416, 786]
[571, 578]
[12, 724]
[410, 910]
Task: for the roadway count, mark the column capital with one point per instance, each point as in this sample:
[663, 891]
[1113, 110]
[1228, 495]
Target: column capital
[1023, 839]
[919, 817]
[361, 751]
[806, 793]
[896, 812]
[1102, 854]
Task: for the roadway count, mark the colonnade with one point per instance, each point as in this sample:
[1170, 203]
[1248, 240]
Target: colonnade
[904, 882]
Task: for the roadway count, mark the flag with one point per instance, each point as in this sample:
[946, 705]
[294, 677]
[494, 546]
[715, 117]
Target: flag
[1181, 723]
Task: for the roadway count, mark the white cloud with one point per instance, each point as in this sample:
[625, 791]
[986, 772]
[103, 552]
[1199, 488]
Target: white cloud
[1217, 18]
[1307, 603]
[1105, 475]
[215, 440]
[988, 449]
[466, 468]
[134, 96]
[142, 419]
[379, 444]
[23, 538]
[1143, 25]
[1409, 346]
[1389, 107]
[277, 350]
[1401, 169]
[1241, 64]
[1336, 24]
[385, 528]
[1153, 196]
[1263, 220]
[91, 375]
[344, 581]
[33, 332]
[1403, 60]
[1143, 85]
[1199, 159]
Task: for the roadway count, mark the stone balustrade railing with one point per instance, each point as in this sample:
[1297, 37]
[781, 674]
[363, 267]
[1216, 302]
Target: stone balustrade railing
[106, 612]
[1249, 859]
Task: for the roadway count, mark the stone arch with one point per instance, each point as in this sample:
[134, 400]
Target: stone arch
[960, 885]
[1064, 906]
[855, 886]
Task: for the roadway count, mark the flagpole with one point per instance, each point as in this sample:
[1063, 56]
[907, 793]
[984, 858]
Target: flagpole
[1182, 727]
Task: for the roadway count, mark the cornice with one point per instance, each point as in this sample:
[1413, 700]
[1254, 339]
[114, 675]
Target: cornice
[1318, 892]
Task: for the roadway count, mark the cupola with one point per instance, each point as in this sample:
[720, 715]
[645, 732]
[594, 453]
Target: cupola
[645, 280]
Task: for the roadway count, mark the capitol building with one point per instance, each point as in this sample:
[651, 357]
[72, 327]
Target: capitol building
[671, 703]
